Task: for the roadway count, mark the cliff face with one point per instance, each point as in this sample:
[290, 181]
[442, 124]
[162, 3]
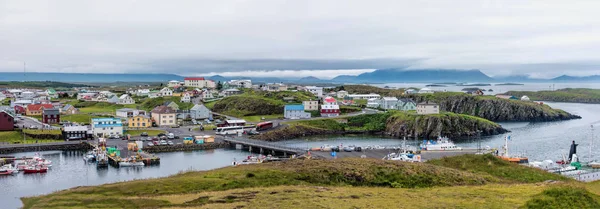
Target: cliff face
[494, 109]
[447, 124]
[390, 124]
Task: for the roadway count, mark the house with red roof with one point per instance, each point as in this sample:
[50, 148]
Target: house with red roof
[330, 107]
[198, 82]
[37, 109]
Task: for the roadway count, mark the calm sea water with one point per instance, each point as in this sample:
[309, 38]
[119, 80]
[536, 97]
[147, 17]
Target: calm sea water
[539, 141]
[548, 140]
[497, 89]
[69, 170]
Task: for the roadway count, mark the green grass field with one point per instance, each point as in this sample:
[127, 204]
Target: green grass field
[341, 183]
[12, 137]
[258, 118]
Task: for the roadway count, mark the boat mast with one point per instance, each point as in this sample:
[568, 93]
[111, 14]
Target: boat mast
[506, 146]
[592, 143]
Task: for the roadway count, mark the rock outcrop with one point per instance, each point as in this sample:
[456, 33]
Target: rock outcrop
[495, 109]
[447, 124]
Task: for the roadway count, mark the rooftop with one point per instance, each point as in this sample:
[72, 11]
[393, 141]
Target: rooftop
[294, 107]
[427, 103]
[194, 79]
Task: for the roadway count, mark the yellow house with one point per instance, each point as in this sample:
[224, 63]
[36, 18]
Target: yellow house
[140, 121]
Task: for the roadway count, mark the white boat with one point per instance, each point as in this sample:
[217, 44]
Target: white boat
[442, 144]
[130, 164]
[405, 157]
[8, 169]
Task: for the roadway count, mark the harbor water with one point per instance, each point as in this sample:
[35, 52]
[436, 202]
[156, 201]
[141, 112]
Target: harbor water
[69, 170]
[539, 141]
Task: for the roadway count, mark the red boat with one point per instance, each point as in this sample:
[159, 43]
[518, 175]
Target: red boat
[37, 169]
[6, 172]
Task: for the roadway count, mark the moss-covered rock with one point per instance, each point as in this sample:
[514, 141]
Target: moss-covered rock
[494, 109]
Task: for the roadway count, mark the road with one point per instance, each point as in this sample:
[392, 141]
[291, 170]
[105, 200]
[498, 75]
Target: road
[27, 122]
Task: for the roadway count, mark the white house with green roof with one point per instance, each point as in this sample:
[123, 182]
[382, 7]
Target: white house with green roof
[51, 93]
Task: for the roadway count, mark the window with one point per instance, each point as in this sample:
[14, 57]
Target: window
[164, 116]
[143, 124]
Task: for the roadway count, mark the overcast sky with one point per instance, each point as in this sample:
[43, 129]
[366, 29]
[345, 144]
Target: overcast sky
[300, 38]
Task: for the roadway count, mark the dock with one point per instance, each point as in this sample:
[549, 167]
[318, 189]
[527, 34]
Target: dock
[147, 158]
[262, 147]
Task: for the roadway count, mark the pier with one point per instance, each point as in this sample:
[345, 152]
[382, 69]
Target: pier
[64, 146]
[263, 147]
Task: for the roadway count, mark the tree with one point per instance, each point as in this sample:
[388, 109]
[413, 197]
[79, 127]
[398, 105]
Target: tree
[219, 85]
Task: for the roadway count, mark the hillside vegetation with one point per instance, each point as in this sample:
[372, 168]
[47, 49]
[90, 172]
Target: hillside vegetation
[151, 103]
[394, 123]
[341, 183]
[492, 108]
[578, 95]
[253, 103]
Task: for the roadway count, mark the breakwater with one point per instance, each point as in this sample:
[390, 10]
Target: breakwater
[186, 147]
[64, 146]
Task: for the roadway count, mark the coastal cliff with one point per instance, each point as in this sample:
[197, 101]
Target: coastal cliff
[393, 124]
[577, 95]
[494, 109]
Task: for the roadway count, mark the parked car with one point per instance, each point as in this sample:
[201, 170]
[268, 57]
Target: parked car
[163, 142]
[170, 142]
[150, 144]
[253, 132]
[161, 135]
[175, 126]
[155, 142]
[171, 136]
[33, 127]
[144, 134]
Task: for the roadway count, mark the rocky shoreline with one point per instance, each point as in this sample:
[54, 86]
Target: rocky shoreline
[186, 147]
[83, 146]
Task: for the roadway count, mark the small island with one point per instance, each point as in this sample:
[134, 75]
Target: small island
[474, 84]
[509, 84]
[435, 85]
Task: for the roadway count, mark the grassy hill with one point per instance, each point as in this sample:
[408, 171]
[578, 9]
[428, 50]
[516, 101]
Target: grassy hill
[151, 103]
[341, 183]
[253, 103]
[579, 95]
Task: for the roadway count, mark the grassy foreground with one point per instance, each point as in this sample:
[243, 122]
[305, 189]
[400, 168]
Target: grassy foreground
[458, 182]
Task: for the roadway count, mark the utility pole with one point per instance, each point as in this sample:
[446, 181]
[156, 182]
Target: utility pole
[592, 143]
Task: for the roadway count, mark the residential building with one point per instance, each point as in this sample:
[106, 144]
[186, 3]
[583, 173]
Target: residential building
[154, 94]
[239, 84]
[310, 105]
[186, 97]
[426, 91]
[231, 92]
[178, 89]
[106, 127]
[364, 96]
[411, 91]
[77, 133]
[199, 82]
[295, 112]
[129, 112]
[106, 94]
[142, 92]
[7, 121]
[330, 108]
[37, 109]
[172, 105]
[388, 103]
[51, 116]
[166, 92]
[86, 95]
[275, 87]
[341, 94]
[2, 96]
[173, 83]
[113, 99]
[27, 95]
[139, 121]
[22, 103]
[51, 93]
[126, 99]
[207, 94]
[501, 96]
[69, 110]
[20, 109]
[199, 111]
[317, 91]
[426, 108]
[164, 116]
[406, 104]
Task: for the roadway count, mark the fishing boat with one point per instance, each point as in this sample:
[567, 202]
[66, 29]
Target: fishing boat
[130, 162]
[36, 169]
[41, 160]
[101, 160]
[513, 159]
[251, 160]
[441, 144]
[8, 169]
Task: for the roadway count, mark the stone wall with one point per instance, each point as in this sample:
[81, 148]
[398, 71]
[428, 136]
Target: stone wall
[46, 147]
[186, 147]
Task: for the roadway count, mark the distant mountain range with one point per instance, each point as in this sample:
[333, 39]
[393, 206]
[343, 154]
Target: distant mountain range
[377, 76]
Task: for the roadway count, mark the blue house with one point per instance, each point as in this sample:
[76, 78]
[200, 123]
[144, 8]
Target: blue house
[295, 112]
